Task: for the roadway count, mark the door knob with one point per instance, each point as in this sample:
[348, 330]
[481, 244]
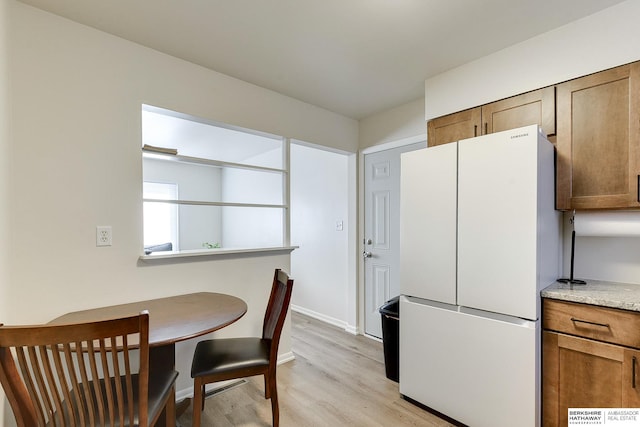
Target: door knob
[366, 254]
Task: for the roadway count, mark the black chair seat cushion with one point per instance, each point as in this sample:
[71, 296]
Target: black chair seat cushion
[227, 355]
[160, 386]
[159, 389]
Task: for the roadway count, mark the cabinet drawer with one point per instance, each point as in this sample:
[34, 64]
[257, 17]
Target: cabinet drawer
[589, 321]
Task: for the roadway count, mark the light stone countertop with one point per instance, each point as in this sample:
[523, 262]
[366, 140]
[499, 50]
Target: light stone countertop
[625, 296]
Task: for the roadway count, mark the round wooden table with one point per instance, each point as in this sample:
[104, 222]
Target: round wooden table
[171, 319]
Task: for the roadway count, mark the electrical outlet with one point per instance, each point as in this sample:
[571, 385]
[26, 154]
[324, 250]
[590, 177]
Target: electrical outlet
[103, 235]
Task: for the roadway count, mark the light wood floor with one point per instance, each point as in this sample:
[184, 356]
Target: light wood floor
[337, 379]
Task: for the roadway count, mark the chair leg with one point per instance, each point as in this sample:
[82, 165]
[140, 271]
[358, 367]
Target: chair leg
[271, 392]
[198, 402]
[274, 403]
[170, 409]
[203, 396]
[267, 386]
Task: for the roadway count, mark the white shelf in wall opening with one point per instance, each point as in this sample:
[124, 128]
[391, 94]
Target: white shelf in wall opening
[206, 162]
[214, 252]
[205, 203]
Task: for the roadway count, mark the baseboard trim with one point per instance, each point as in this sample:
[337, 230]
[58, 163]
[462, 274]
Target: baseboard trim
[326, 319]
[286, 357]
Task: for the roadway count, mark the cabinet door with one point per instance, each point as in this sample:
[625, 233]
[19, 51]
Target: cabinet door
[580, 373]
[598, 140]
[531, 108]
[453, 127]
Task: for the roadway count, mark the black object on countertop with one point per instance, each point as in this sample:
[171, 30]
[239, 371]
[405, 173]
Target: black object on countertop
[571, 280]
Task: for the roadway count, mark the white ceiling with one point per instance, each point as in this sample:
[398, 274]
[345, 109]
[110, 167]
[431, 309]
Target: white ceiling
[353, 57]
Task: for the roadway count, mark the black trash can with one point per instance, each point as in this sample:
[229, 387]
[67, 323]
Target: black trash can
[390, 312]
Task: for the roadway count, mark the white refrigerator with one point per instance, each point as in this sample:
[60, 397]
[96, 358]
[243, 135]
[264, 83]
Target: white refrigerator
[479, 239]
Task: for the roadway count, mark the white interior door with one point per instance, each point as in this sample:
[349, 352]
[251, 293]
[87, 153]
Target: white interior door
[382, 231]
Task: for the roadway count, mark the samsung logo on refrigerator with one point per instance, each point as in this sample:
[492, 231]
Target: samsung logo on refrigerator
[519, 135]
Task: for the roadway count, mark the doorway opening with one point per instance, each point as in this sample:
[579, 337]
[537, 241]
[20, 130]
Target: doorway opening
[323, 206]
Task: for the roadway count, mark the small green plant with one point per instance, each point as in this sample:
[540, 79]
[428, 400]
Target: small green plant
[211, 245]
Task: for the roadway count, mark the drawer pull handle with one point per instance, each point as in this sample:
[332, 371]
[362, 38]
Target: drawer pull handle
[633, 372]
[604, 325]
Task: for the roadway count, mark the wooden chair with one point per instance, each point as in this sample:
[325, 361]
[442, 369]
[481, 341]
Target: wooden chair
[225, 359]
[83, 374]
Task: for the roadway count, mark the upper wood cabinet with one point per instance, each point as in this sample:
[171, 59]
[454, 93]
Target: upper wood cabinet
[598, 140]
[536, 107]
[454, 127]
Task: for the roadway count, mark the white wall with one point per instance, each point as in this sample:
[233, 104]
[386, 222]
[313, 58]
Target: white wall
[600, 41]
[403, 121]
[198, 224]
[612, 259]
[597, 42]
[76, 130]
[5, 165]
[5, 149]
[320, 198]
[246, 227]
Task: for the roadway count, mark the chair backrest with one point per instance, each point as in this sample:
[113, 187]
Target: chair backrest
[81, 374]
[277, 309]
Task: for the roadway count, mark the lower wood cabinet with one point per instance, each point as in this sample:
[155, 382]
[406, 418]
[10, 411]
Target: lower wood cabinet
[583, 372]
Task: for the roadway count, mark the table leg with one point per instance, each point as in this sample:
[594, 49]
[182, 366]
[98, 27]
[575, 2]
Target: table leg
[163, 358]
